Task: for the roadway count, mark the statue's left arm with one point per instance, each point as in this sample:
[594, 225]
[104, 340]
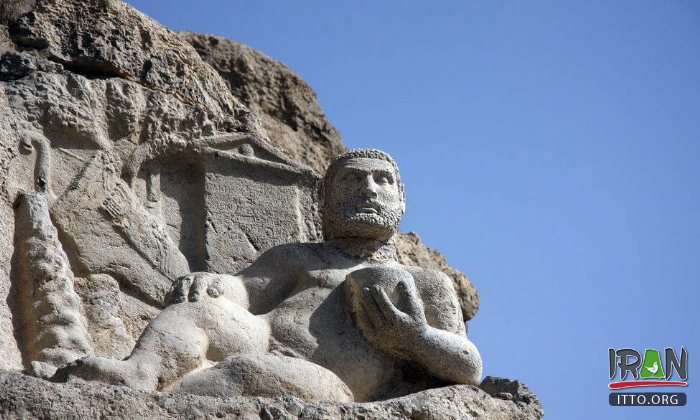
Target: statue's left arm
[430, 330]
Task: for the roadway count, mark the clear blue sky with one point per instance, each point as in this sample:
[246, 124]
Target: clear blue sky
[550, 150]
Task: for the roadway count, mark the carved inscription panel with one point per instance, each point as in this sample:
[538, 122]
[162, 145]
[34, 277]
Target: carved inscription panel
[247, 214]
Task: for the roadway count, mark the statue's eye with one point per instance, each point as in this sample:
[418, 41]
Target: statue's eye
[351, 177]
[384, 179]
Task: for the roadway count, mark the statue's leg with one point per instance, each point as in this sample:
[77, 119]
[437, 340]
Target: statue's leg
[266, 375]
[182, 338]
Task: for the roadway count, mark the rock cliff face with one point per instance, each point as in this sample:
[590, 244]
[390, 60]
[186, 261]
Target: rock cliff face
[135, 152]
[283, 102]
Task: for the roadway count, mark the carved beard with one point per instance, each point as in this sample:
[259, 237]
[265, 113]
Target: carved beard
[347, 222]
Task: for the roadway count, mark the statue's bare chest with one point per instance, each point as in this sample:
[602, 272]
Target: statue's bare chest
[313, 324]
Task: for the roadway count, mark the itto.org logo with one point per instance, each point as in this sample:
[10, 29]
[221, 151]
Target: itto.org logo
[648, 369]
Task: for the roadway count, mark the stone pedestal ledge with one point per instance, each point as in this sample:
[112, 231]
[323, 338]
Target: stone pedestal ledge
[26, 397]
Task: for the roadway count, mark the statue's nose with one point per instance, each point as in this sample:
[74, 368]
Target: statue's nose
[369, 187]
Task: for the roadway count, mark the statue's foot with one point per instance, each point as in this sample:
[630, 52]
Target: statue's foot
[109, 371]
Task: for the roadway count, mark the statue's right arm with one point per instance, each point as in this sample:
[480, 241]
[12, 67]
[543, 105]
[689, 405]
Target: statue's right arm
[259, 288]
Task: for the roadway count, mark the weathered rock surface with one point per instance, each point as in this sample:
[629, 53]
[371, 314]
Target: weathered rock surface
[25, 397]
[285, 104]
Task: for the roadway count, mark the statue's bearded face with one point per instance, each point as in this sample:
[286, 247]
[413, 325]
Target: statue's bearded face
[363, 200]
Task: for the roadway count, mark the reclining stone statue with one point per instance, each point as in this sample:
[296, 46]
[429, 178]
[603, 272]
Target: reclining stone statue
[339, 320]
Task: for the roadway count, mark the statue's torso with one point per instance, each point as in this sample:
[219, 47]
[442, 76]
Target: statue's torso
[313, 324]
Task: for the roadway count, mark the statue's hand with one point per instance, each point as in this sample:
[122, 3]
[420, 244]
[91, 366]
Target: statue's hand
[391, 329]
[192, 287]
[118, 203]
